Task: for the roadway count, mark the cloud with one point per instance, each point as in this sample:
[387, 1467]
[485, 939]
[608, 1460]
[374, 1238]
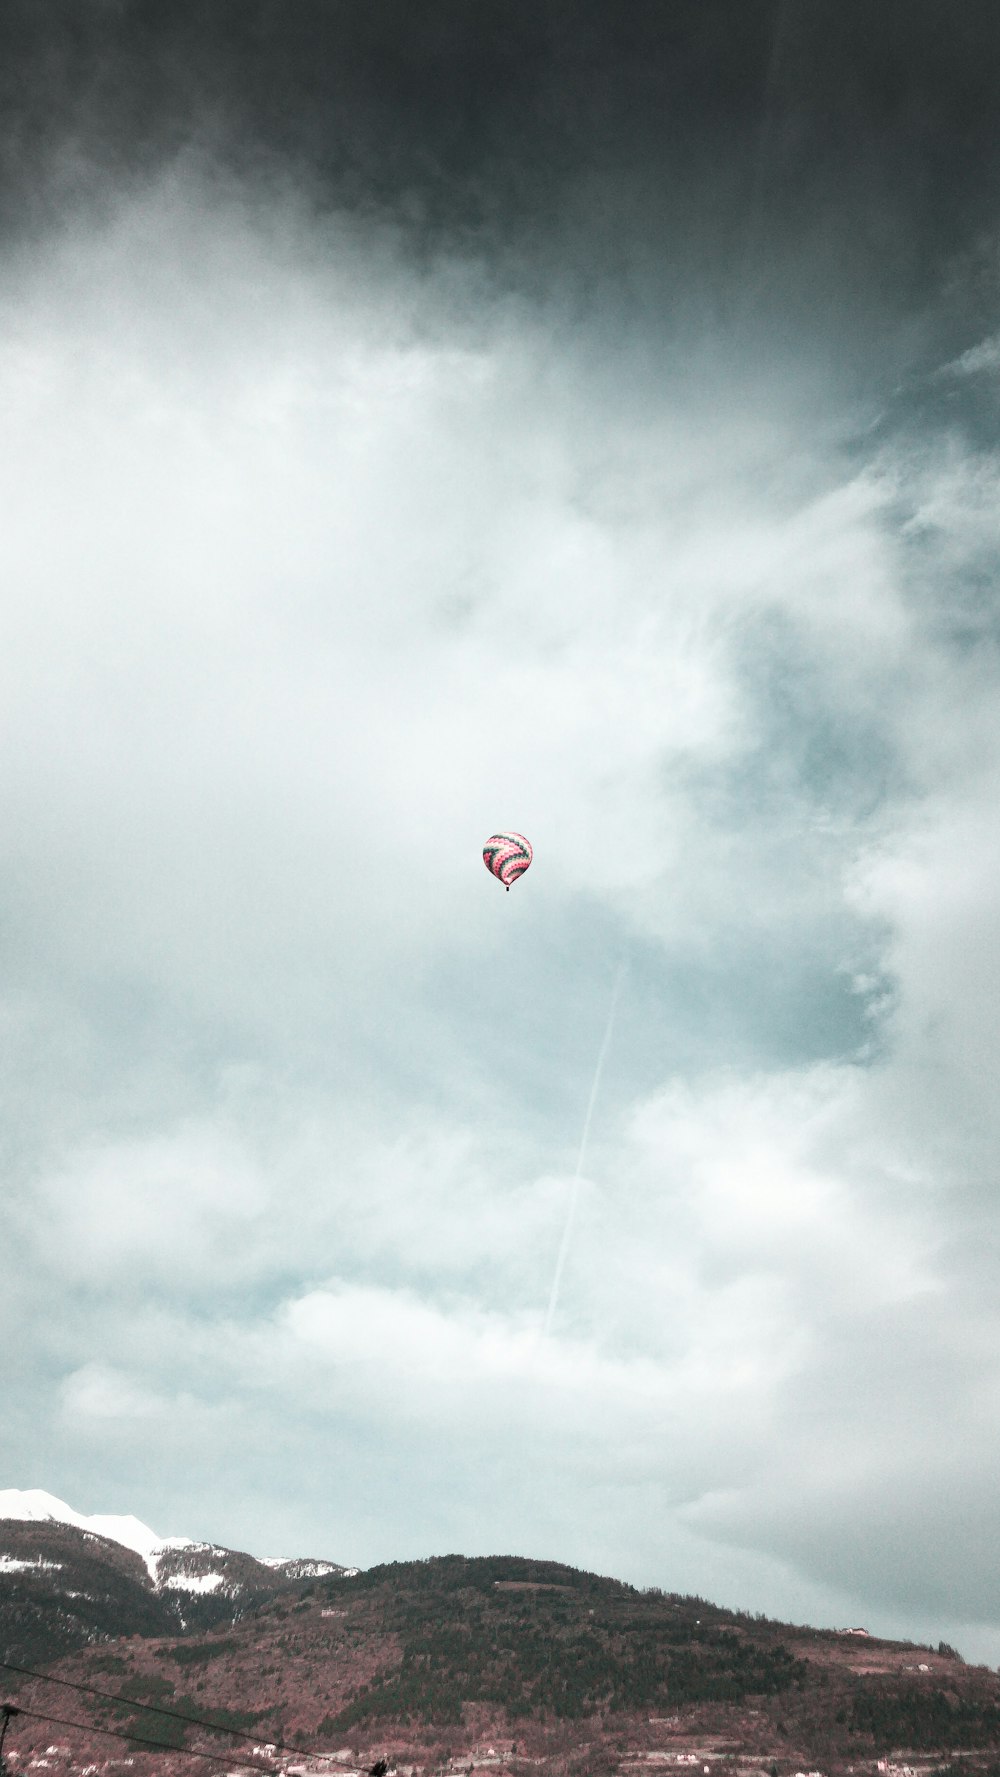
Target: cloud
[321, 567]
[150, 1210]
[984, 356]
[97, 1392]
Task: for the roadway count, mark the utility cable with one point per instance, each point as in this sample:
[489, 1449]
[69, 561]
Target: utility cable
[86, 1727]
[193, 1721]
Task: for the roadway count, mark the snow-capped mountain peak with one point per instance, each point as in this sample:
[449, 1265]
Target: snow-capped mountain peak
[36, 1506]
[298, 1568]
[174, 1563]
[68, 1578]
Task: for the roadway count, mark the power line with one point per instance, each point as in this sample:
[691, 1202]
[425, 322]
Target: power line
[86, 1727]
[6, 1711]
[193, 1721]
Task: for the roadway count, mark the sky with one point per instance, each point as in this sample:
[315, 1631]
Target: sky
[421, 421]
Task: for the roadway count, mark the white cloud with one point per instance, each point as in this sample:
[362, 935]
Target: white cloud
[98, 1392]
[168, 1206]
[319, 571]
[984, 356]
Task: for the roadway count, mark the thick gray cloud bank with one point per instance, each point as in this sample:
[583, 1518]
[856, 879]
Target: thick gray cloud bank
[331, 543]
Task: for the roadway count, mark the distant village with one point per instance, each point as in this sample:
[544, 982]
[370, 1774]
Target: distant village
[708, 1760]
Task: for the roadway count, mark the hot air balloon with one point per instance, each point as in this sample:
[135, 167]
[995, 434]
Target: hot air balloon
[507, 856]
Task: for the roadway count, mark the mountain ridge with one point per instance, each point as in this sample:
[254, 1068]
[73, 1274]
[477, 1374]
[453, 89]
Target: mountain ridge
[70, 1578]
[452, 1663]
[34, 1505]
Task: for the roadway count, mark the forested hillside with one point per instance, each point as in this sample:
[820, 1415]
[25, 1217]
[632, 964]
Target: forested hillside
[448, 1662]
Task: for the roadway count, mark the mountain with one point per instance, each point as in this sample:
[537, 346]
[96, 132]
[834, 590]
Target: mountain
[447, 1664]
[32, 1505]
[67, 1580]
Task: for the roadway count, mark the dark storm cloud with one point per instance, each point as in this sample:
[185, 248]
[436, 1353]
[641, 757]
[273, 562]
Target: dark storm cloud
[775, 159]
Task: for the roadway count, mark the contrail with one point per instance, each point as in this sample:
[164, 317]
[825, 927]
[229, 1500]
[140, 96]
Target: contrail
[582, 1151]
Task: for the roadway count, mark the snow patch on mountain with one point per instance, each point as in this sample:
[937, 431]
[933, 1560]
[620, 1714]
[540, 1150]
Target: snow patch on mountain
[297, 1569]
[194, 1582]
[11, 1564]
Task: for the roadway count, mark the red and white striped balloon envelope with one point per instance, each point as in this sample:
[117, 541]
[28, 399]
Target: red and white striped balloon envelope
[507, 856]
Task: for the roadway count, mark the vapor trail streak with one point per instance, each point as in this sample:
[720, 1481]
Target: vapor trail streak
[582, 1150]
